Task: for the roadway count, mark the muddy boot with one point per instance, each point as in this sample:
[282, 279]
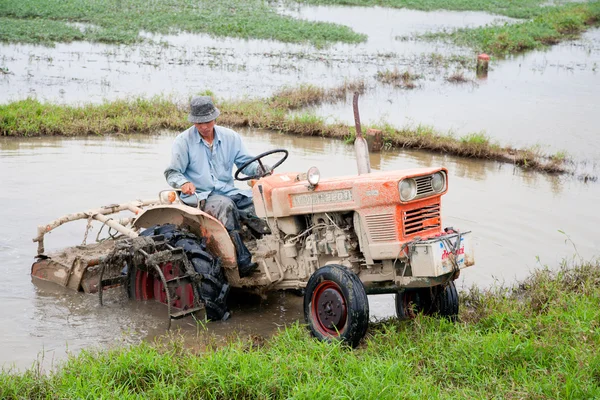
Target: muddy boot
[244, 259]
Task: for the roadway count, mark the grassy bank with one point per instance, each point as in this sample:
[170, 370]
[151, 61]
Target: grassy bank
[553, 25]
[33, 118]
[121, 21]
[540, 339]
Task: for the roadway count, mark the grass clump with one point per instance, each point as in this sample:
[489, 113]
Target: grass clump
[458, 77]
[398, 79]
[552, 26]
[539, 339]
[37, 31]
[121, 21]
[32, 118]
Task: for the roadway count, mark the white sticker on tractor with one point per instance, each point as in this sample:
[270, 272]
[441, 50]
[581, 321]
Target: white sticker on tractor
[309, 199]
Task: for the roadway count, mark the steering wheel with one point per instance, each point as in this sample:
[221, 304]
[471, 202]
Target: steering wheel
[258, 158]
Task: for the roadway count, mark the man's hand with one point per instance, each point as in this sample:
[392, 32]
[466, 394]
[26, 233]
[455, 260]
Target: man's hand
[188, 188]
[262, 172]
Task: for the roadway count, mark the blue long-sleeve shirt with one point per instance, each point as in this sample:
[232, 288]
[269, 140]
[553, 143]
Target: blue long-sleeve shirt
[210, 171]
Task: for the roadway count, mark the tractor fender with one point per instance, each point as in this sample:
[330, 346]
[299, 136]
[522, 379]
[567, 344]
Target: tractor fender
[197, 222]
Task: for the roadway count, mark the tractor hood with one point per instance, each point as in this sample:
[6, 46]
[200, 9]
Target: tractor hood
[288, 194]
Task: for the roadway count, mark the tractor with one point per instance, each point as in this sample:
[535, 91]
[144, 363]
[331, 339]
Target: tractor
[336, 240]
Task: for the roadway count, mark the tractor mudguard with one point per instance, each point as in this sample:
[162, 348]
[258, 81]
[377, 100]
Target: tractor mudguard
[197, 222]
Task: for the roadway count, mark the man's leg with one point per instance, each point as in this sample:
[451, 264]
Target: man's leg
[225, 210]
[247, 215]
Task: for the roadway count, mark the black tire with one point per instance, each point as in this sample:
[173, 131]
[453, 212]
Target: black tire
[411, 302]
[446, 302]
[438, 300]
[213, 288]
[336, 305]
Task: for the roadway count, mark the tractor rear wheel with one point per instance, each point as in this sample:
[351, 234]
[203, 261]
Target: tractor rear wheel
[411, 302]
[336, 305]
[213, 288]
[437, 300]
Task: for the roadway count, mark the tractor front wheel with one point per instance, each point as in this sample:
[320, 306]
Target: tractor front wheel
[336, 305]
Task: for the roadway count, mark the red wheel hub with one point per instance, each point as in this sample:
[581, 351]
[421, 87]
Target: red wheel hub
[329, 309]
[148, 287]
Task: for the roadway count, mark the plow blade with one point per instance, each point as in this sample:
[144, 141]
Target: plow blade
[75, 267]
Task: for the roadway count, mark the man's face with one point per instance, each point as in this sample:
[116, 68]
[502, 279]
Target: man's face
[206, 128]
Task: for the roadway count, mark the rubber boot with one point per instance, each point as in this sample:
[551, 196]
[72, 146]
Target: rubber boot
[244, 259]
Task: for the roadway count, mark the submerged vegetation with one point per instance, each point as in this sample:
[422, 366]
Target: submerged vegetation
[112, 21]
[291, 98]
[540, 339]
[30, 117]
[398, 79]
[458, 77]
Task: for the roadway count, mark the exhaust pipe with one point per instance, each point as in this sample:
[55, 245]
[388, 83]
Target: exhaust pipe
[360, 144]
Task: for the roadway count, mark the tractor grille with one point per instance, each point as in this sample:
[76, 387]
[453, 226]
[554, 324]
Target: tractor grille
[421, 219]
[424, 185]
[381, 227]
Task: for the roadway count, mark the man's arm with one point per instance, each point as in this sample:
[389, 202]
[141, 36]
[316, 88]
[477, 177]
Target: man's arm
[178, 164]
[242, 156]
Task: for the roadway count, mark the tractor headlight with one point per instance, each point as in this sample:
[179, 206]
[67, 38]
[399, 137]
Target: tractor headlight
[313, 176]
[408, 189]
[438, 182]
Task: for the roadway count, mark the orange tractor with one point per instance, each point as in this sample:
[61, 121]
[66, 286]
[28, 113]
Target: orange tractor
[338, 239]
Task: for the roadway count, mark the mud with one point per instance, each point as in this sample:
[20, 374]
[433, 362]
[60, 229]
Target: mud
[515, 217]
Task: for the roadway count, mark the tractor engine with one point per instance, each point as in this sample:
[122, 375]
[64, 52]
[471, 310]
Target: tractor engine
[307, 242]
[330, 238]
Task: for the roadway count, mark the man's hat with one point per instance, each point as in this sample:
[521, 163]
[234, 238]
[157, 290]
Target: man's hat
[202, 110]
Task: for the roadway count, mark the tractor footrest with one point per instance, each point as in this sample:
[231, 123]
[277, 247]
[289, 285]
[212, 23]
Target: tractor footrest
[183, 313]
[111, 282]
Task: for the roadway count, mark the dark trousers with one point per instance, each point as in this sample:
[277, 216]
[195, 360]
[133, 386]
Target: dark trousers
[229, 209]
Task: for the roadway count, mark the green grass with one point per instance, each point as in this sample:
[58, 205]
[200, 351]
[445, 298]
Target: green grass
[30, 117]
[553, 25]
[539, 339]
[120, 21]
[509, 8]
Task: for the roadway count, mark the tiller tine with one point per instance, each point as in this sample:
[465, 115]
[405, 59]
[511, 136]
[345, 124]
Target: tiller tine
[148, 254]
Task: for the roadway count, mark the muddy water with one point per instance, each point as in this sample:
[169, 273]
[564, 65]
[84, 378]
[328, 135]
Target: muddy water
[515, 216]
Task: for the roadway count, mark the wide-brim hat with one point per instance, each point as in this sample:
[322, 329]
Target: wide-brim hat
[202, 110]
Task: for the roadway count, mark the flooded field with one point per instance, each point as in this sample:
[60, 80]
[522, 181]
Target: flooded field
[543, 98]
[520, 220]
[515, 217]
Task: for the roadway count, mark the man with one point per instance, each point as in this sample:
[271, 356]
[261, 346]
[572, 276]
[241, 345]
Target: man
[201, 166]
